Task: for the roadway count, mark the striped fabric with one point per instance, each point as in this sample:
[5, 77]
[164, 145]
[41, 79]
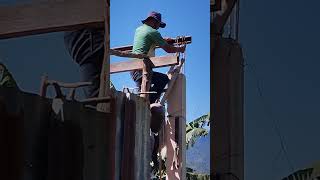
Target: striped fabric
[84, 43]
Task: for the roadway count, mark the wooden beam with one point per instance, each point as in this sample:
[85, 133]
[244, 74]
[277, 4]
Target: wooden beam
[131, 65]
[43, 17]
[127, 54]
[187, 40]
[146, 78]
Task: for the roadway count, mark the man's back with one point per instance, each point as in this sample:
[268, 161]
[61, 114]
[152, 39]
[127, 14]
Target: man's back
[146, 38]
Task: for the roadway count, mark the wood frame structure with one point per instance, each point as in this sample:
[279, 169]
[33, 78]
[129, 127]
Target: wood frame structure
[64, 15]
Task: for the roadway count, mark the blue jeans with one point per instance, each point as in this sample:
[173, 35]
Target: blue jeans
[85, 46]
[158, 83]
[90, 72]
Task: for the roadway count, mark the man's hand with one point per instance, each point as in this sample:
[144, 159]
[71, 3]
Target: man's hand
[182, 48]
[168, 39]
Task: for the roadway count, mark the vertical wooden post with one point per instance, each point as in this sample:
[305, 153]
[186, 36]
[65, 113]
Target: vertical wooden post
[175, 131]
[105, 72]
[43, 86]
[146, 78]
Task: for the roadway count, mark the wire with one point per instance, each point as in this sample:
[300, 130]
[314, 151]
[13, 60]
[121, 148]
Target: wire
[275, 121]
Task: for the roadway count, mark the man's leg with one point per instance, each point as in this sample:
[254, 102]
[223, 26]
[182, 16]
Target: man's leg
[158, 82]
[90, 72]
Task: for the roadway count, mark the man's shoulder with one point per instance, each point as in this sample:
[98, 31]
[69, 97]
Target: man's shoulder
[147, 29]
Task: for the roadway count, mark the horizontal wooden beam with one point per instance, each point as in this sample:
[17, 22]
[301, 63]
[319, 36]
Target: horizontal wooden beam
[51, 16]
[127, 54]
[68, 85]
[186, 40]
[131, 65]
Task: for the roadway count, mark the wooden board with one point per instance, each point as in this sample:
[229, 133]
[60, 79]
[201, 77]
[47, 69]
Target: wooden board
[43, 17]
[137, 64]
[187, 40]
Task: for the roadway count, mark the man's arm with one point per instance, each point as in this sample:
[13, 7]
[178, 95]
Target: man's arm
[157, 38]
[172, 49]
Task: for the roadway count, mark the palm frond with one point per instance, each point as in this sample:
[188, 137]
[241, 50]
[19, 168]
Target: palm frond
[194, 134]
[200, 121]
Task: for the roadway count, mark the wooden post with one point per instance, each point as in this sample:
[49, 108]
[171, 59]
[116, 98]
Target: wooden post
[146, 78]
[104, 89]
[43, 86]
[175, 131]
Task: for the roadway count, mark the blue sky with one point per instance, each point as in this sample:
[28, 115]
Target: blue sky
[30, 57]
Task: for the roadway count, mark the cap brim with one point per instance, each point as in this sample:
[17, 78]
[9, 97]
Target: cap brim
[162, 24]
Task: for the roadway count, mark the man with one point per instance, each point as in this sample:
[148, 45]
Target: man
[145, 39]
[86, 47]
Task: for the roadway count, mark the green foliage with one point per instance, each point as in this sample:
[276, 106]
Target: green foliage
[192, 175]
[195, 129]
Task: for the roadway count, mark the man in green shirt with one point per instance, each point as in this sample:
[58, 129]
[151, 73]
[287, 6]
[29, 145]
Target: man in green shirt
[146, 38]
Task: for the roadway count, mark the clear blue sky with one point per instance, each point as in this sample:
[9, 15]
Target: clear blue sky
[29, 57]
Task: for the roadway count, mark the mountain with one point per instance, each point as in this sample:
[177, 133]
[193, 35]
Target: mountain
[198, 156]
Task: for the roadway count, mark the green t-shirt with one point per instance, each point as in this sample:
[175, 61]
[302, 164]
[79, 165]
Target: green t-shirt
[145, 38]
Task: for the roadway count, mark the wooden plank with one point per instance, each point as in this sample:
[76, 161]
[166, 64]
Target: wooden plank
[146, 78]
[43, 17]
[161, 61]
[127, 54]
[187, 40]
